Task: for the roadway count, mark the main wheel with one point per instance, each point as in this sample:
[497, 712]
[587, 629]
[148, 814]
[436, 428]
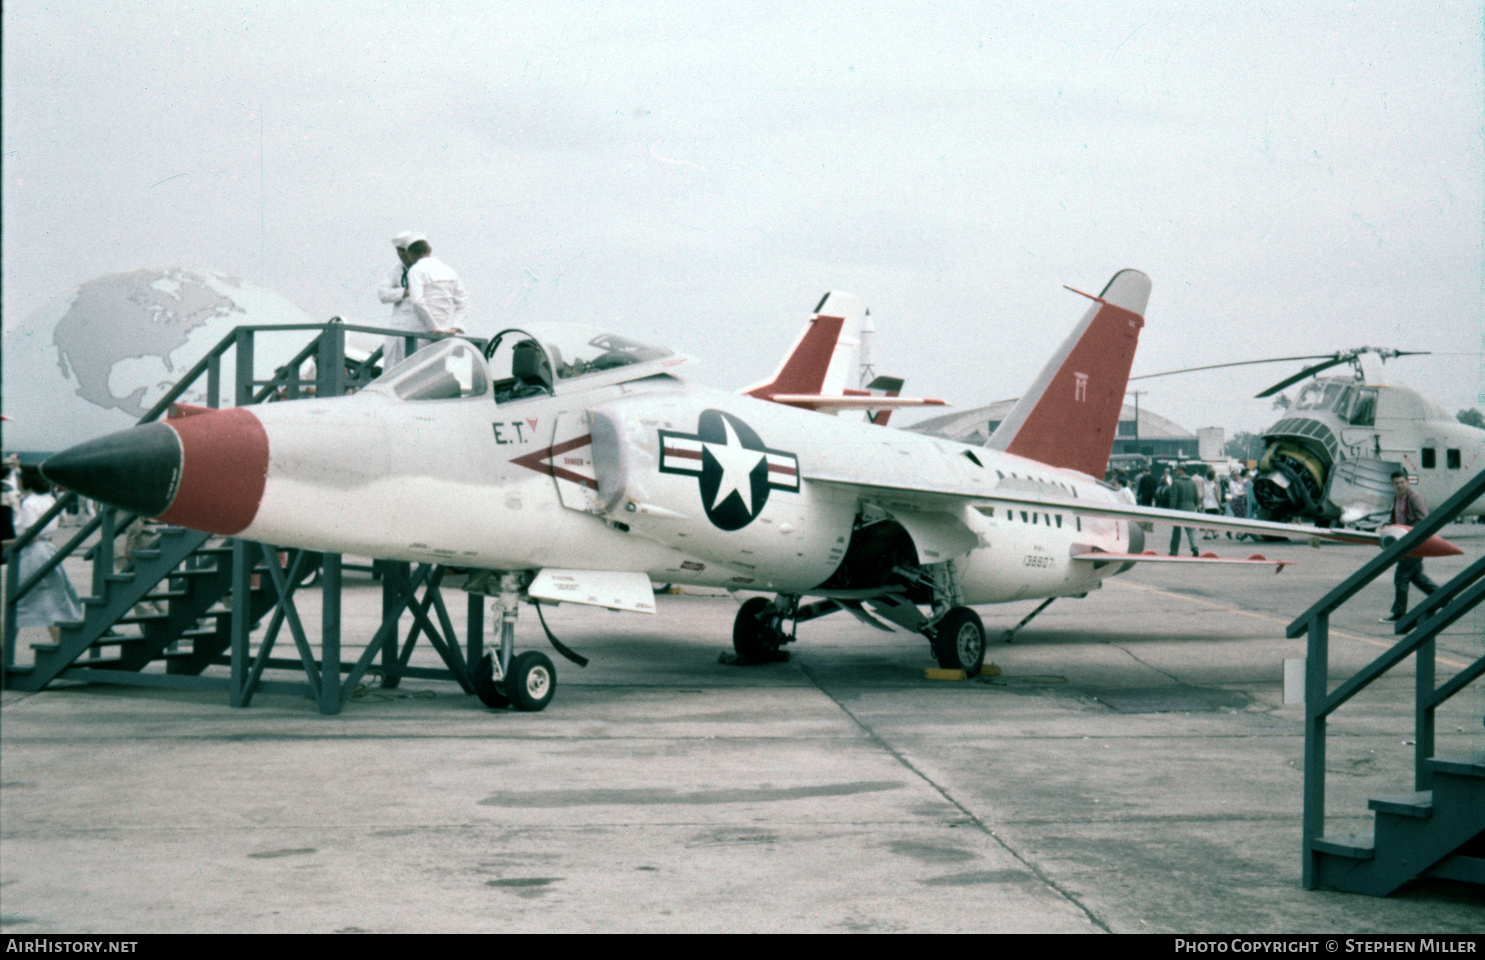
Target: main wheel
[752, 638]
[491, 694]
[959, 641]
[532, 681]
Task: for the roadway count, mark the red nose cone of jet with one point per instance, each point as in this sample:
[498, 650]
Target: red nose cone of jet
[205, 471]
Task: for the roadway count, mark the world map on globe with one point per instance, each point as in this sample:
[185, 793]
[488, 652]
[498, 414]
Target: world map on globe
[95, 358]
[145, 314]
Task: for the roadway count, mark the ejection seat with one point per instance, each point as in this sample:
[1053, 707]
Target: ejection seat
[532, 372]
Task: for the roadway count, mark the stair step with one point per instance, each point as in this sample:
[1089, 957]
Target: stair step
[19, 670]
[145, 553]
[119, 577]
[115, 640]
[143, 618]
[105, 663]
[1461, 765]
[1419, 805]
[1355, 846]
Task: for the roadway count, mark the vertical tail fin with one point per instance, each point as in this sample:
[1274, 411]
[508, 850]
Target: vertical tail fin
[823, 358]
[1070, 415]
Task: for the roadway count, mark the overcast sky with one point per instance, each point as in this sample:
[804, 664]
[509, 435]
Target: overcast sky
[1296, 179]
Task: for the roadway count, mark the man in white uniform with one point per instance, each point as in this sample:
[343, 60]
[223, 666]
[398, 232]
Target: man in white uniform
[394, 291]
[435, 290]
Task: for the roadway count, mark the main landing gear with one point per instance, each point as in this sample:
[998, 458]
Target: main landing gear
[526, 681]
[956, 635]
[758, 631]
[958, 640]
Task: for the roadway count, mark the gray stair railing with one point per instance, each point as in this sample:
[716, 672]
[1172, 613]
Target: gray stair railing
[1438, 611]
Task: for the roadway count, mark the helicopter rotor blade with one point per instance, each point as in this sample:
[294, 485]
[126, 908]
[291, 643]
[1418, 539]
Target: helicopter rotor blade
[1235, 363]
[1304, 374]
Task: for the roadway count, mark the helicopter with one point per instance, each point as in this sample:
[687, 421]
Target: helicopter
[1330, 459]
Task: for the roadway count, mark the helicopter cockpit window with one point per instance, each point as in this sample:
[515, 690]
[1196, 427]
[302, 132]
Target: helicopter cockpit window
[1319, 396]
[1364, 409]
[445, 371]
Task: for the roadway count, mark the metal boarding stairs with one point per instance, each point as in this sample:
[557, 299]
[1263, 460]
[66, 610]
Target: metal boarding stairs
[1438, 829]
[193, 602]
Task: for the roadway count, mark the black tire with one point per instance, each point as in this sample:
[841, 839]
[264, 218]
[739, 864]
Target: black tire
[532, 681]
[752, 639]
[959, 641]
[490, 693]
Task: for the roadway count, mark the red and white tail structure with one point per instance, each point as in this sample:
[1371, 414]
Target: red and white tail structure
[1070, 415]
[824, 356]
[817, 372]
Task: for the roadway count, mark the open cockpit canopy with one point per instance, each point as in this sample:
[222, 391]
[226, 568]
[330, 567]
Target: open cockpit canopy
[540, 360]
[558, 358]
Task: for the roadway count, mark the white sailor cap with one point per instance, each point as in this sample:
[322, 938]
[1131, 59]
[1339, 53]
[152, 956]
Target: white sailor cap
[407, 238]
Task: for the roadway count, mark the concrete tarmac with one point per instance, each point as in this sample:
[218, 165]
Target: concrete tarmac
[1132, 769]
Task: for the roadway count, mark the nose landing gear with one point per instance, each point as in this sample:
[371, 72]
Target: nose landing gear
[527, 681]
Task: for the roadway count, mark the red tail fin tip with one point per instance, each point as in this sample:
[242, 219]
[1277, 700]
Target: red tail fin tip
[1071, 413]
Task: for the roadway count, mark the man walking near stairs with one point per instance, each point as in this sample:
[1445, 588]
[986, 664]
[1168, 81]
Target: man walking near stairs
[1407, 509]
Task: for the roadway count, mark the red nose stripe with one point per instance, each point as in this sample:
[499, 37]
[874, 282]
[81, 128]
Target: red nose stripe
[225, 464]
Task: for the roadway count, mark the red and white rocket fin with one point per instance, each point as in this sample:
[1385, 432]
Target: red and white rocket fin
[824, 358]
[1070, 415]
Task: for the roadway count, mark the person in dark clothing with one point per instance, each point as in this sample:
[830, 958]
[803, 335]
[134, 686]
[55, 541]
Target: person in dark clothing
[1183, 497]
[1146, 487]
[1408, 508]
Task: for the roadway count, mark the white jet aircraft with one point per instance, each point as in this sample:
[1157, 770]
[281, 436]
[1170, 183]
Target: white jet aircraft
[574, 465]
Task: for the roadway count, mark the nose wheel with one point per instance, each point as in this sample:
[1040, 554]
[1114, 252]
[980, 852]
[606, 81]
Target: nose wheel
[958, 641]
[529, 685]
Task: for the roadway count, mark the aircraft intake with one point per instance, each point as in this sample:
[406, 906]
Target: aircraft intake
[205, 470]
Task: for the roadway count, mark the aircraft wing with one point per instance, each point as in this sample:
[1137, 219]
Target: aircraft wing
[1150, 556]
[940, 497]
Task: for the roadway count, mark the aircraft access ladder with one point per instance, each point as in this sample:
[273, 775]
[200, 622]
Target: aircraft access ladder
[193, 601]
[1438, 830]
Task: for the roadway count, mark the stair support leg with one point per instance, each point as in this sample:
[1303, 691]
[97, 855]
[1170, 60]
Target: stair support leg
[242, 623]
[1423, 708]
[1317, 668]
[332, 698]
